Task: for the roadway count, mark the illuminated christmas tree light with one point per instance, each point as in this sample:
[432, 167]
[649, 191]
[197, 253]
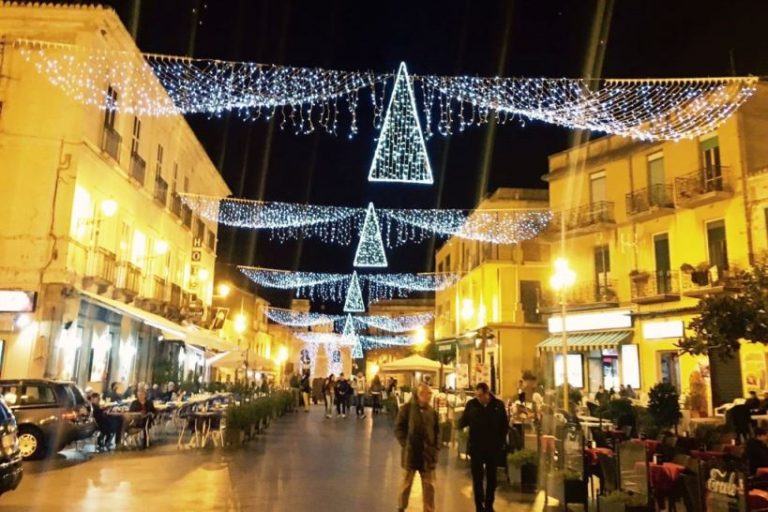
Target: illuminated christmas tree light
[401, 155]
[370, 249]
[357, 349]
[354, 302]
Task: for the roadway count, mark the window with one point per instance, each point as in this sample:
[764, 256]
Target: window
[186, 184]
[712, 172]
[159, 162]
[200, 230]
[110, 110]
[31, 394]
[656, 180]
[529, 298]
[663, 263]
[716, 245]
[602, 269]
[175, 177]
[598, 187]
[211, 240]
[440, 264]
[136, 136]
[448, 263]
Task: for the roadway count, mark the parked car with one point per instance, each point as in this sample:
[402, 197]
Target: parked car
[49, 414]
[10, 454]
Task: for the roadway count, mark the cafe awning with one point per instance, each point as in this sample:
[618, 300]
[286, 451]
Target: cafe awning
[584, 341]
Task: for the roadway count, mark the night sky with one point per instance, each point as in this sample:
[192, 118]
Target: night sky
[636, 38]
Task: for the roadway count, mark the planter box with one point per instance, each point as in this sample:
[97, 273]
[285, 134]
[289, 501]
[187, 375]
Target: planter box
[529, 477]
[619, 507]
[234, 437]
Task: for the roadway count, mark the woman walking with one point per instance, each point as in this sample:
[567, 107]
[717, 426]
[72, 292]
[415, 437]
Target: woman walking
[376, 389]
[342, 389]
[329, 388]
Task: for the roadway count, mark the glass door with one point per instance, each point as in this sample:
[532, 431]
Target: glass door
[712, 175]
[656, 181]
[663, 264]
[669, 368]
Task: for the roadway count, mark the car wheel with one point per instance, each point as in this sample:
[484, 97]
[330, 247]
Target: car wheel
[31, 443]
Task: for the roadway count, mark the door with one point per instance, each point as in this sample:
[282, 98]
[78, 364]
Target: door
[663, 264]
[598, 195]
[669, 368]
[712, 174]
[716, 245]
[656, 181]
[602, 270]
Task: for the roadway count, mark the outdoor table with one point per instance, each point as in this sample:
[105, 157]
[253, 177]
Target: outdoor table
[594, 452]
[651, 445]
[761, 472]
[128, 418]
[757, 499]
[202, 427]
[664, 479]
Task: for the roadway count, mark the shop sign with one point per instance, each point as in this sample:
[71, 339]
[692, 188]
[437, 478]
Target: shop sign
[663, 330]
[722, 482]
[610, 320]
[723, 491]
[17, 301]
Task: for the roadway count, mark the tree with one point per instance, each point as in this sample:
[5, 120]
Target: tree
[726, 319]
[664, 405]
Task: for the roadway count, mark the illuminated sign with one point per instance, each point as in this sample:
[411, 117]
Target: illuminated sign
[17, 301]
[662, 330]
[620, 319]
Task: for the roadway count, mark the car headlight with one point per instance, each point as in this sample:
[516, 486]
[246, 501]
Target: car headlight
[9, 444]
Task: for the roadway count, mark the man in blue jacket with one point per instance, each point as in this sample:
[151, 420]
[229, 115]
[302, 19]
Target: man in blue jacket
[486, 417]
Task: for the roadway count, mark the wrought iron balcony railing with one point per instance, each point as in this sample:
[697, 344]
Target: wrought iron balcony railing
[110, 142]
[706, 181]
[138, 168]
[128, 277]
[655, 285]
[582, 294]
[646, 199]
[101, 265]
[587, 216]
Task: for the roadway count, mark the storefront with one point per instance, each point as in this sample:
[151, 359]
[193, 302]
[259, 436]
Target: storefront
[601, 351]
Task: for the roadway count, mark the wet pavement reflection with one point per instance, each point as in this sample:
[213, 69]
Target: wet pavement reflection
[303, 462]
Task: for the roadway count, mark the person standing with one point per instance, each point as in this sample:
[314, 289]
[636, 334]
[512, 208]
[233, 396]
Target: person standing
[376, 389]
[417, 431]
[486, 417]
[341, 389]
[305, 389]
[360, 389]
[328, 392]
[521, 391]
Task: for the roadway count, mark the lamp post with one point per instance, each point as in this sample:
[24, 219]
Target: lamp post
[560, 281]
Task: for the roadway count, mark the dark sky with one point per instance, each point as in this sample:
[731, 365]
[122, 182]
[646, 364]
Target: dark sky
[641, 38]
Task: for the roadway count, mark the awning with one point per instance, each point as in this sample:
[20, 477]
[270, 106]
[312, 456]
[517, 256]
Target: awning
[584, 341]
[208, 339]
[171, 330]
[238, 359]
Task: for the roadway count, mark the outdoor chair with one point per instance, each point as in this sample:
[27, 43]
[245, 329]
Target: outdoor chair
[739, 418]
[609, 471]
[599, 437]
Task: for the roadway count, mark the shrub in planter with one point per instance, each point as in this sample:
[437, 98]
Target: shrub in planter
[664, 405]
[621, 501]
[524, 461]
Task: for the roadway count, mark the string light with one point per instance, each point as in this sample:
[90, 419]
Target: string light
[308, 98]
[357, 349]
[401, 155]
[324, 338]
[402, 323]
[335, 224]
[370, 249]
[311, 350]
[332, 287]
[374, 342]
[332, 352]
[299, 318]
[398, 323]
[354, 301]
[349, 326]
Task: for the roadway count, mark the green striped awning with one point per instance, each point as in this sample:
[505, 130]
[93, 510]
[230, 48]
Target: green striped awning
[584, 341]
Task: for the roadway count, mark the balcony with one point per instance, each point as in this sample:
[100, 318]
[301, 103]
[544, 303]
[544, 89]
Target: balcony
[186, 216]
[700, 282]
[138, 168]
[707, 185]
[175, 204]
[177, 296]
[161, 191]
[110, 143]
[128, 279]
[582, 296]
[585, 219]
[101, 268]
[650, 203]
[654, 286]
[157, 290]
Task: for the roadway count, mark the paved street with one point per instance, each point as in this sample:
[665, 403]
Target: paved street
[303, 463]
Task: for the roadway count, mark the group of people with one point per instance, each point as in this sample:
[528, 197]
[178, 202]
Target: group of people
[342, 391]
[166, 393]
[603, 396]
[418, 432]
[112, 426]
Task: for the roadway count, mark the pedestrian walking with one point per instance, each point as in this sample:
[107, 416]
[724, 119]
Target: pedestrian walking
[328, 392]
[417, 431]
[341, 389]
[486, 417]
[360, 389]
[376, 389]
[306, 389]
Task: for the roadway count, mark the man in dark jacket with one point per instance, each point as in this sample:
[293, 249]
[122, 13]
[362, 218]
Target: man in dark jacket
[417, 430]
[486, 418]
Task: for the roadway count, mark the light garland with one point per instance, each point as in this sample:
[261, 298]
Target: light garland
[377, 342]
[401, 323]
[349, 326]
[332, 287]
[324, 338]
[335, 224]
[308, 98]
[299, 318]
[335, 366]
[370, 249]
[311, 350]
[357, 349]
[354, 301]
[401, 155]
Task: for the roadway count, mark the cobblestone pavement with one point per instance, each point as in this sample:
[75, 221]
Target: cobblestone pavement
[303, 462]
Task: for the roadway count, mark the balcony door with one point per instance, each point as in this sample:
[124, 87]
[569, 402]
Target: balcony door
[663, 263]
[598, 195]
[712, 173]
[716, 245]
[656, 180]
[602, 271]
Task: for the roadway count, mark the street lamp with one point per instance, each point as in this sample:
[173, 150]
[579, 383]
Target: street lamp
[223, 289]
[240, 323]
[560, 281]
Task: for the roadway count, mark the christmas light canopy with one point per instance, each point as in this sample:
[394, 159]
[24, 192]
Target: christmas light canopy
[401, 155]
[401, 323]
[396, 323]
[370, 249]
[299, 318]
[335, 224]
[354, 301]
[306, 99]
[357, 349]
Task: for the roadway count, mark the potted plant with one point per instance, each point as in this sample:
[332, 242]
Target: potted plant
[639, 276]
[524, 462]
[622, 501]
[664, 406]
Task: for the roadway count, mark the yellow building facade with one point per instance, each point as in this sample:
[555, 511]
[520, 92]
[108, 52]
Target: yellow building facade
[650, 228]
[488, 323]
[92, 227]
